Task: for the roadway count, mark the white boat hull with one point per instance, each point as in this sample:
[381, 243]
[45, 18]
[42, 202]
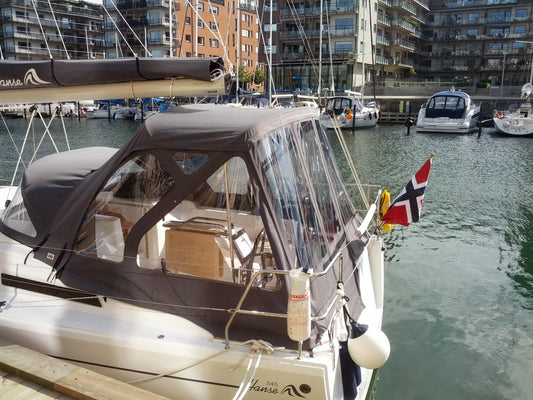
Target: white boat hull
[131, 343]
[449, 112]
[447, 125]
[367, 118]
[514, 125]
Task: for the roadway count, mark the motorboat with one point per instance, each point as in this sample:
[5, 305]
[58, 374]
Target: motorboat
[349, 112]
[105, 110]
[217, 254]
[449, 112]
[517, 118]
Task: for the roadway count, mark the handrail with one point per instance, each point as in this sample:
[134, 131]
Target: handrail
[337, 256]
[237, 309]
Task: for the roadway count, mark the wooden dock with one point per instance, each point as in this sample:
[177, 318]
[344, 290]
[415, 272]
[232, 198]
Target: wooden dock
[28, 375]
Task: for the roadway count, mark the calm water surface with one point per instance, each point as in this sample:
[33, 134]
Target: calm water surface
[459, 284]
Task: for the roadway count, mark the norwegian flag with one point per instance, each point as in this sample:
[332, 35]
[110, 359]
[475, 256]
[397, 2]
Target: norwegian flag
[407, 206]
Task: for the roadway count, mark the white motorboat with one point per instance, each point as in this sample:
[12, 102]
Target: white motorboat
[349, 112]
[215, 255]
[449, 112]
[517, 118]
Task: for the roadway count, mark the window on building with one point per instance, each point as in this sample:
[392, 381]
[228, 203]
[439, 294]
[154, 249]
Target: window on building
[501, 16]
[344, 24]
[273, 47]
[520, 29]
[213, 10]
[200, 6]
[200, 23]
[267, 5]
[201, 40]
[213, 43]
[521, 13]
[499, 32]
[472, 32]
[188, 38]
[343, 46]
[155, 37]
[213, 26]
[154, 18]
[270, 28]
[187, 20]
[110, 39]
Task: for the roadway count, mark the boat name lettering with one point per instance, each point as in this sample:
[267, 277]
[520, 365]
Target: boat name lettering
[271, 387]
[254, 387]
[30, 78]
[11, 82]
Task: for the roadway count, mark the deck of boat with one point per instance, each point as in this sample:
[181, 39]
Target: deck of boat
[27, 374]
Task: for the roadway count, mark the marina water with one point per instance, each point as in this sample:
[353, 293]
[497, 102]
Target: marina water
[459, 283]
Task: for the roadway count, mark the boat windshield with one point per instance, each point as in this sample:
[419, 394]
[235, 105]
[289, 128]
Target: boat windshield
[446, 106]
[126, 197]
[307, 193]
[16, 216]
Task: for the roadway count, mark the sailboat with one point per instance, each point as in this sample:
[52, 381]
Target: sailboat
[352, 110]
[217, 254]
[517, 118]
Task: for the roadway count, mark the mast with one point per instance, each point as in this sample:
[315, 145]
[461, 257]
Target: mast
[237, 53]
[170, 24]
[373, 54]
[270, 59]
[320, 52]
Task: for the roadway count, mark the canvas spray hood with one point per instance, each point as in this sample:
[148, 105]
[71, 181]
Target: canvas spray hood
[221, 133]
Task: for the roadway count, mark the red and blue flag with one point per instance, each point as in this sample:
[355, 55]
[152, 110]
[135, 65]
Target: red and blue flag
[406, 207]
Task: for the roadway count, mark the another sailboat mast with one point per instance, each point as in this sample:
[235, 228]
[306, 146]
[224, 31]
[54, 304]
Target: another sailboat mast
[320, 53]
[170, 25]
[270, 59]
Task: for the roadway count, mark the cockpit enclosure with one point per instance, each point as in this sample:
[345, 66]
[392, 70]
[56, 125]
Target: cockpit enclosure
[202, 202]
[447, 104]
[340, 104]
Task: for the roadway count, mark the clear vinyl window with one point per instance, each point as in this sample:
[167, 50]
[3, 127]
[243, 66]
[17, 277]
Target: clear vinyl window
[16, 216]
[215, 233]
[128, 194]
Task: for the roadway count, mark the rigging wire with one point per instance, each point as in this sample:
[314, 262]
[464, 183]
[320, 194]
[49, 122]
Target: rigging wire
[42, 29]
[58, 30]
[219, 36]
[120, 32]
[349, 160]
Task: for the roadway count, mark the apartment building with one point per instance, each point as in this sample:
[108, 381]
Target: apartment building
[183, 28]
[36, 30]
[141, 28]
[477, 41]
[222, 28]
[341, 44]
[355, 41]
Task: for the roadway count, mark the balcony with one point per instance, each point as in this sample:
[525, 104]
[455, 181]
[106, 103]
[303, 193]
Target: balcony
[304, 57]
[289, 14]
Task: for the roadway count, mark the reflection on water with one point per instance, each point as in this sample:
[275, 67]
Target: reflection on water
[459, 284]
[520, 238]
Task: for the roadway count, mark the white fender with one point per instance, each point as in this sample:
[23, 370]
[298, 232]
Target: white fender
[370, 348]
[376, 259]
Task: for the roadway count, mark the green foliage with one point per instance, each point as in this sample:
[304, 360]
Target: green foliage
[248, 75]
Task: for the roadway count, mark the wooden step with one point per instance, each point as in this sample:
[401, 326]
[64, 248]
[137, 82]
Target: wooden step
[28, 370]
